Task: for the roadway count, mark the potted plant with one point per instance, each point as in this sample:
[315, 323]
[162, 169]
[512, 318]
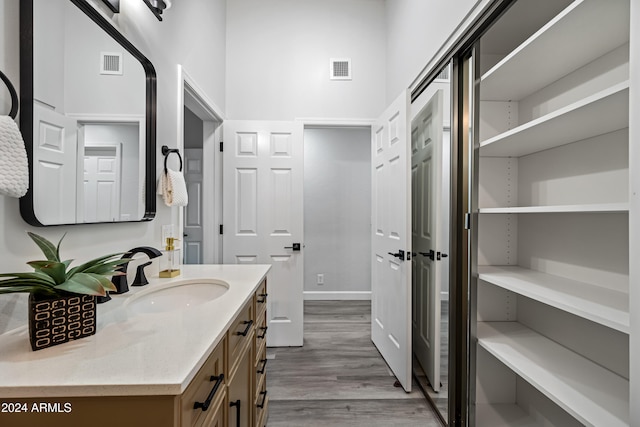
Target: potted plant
[62, 301]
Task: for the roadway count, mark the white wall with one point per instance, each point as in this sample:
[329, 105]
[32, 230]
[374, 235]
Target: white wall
[415, 31]
[199, 47]
[86, 91]
[278, 55]
[337, 208]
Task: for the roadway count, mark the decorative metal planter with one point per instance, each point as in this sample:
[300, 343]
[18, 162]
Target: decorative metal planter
[56, 320]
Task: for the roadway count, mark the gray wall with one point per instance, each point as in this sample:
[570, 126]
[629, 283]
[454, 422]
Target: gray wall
[337, 212]
[193, 130]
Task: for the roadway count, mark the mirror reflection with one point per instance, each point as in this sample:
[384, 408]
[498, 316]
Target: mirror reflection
[88, 121]
[430, 171]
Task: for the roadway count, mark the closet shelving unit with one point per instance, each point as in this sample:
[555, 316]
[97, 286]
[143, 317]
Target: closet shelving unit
[553, 207]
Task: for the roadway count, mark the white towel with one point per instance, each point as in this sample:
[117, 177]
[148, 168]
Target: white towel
[14, 169]
[173, 188]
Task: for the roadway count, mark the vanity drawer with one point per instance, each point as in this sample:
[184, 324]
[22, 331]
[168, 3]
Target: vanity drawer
[216, 417]
[261, 334]
[261, 368]
[241, 332]
[261, 407]
[206, 390]
[261, 297]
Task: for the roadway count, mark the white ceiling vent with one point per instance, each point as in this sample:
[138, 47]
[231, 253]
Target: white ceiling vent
[340, 69]
[111, 63]
[444, 74]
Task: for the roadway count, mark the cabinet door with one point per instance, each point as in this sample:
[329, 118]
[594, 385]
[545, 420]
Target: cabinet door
[241, 392]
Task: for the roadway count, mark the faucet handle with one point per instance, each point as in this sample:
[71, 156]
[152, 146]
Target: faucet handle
[141, 279]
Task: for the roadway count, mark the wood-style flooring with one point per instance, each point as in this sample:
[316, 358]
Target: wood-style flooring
[338, 378]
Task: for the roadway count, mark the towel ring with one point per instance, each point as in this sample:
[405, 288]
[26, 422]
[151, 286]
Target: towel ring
[14, 96]
[166, 151]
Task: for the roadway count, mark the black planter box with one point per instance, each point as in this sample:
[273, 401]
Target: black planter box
[56, 320]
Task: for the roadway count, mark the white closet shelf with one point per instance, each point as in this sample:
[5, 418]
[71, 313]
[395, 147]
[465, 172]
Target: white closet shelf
[597, 114]
[503, 415]
[576, 36]
[596, 303]
[590, 208]
[590, 393]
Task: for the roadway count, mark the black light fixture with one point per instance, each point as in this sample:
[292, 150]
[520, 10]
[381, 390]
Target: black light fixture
[158, 6]
[114, 5]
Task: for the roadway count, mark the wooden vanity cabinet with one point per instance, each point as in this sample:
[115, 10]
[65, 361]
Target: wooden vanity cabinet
[229, 374]
[202, 401]
[261, 399]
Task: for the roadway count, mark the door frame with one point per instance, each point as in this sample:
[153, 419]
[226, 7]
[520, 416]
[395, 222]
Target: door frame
[191, 95]
[329, 123]
[106, 119]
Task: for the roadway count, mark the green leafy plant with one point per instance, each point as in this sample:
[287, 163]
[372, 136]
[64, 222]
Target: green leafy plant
[53, 277]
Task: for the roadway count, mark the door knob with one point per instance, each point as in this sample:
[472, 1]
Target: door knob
[431, 254]
[294, 247]
[399, 255]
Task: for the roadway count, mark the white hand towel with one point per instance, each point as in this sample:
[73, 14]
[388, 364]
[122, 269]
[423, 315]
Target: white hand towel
[14, 169]
[173, 188]
[178, 186]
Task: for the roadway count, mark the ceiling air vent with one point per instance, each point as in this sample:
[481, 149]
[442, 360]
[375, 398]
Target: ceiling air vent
[340, 69]
[111, 63]
[444, 74]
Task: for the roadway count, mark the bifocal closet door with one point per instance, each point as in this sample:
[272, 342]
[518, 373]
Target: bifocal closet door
[426, 159]
[262, 215]
[391, 239]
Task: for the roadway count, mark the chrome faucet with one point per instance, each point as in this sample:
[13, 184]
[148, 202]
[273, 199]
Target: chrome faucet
[120, 281]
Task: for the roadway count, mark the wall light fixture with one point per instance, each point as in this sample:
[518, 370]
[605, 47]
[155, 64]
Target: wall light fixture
[158, 6]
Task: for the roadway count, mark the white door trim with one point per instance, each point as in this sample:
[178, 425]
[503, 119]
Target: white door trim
[212, 116]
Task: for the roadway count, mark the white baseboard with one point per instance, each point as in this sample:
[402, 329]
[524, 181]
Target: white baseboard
[336, 295]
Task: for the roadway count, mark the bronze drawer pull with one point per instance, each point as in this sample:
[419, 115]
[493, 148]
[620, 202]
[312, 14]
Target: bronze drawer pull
[264, 399]
[263, 299]
[218, 379]
[264, 366]
[238, 413]
[264, 333]
[246, 330]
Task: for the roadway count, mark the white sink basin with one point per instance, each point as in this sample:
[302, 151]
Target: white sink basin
[181, 295]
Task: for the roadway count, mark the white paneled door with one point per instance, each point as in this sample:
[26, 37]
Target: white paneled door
[55, 166]
[262, 215]
[426, 159]
[391, 240]
[101, 184]
[193, 212]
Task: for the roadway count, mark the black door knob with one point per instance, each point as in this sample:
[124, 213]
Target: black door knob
[399, 254]
[431, 254]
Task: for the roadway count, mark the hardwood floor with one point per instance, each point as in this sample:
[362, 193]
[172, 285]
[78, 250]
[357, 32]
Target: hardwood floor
[338, 378]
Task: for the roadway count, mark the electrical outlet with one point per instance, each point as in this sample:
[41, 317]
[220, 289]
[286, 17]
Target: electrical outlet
[320, 279]
[167, 231]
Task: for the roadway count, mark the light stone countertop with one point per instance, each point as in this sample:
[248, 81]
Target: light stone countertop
[130, 354]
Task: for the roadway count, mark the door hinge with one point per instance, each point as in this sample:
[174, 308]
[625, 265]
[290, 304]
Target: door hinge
[221, 228]
[221, 146]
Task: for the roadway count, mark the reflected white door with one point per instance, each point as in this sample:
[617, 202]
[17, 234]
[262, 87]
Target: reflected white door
[262, 215]
[101, 184]
[426, 160]
[54, 166]
[193, 175]
[391, 240]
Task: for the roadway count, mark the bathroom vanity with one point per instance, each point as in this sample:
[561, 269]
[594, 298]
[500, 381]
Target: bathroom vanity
[188, 351]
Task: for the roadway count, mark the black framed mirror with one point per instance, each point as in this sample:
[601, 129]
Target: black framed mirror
[88, 118]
